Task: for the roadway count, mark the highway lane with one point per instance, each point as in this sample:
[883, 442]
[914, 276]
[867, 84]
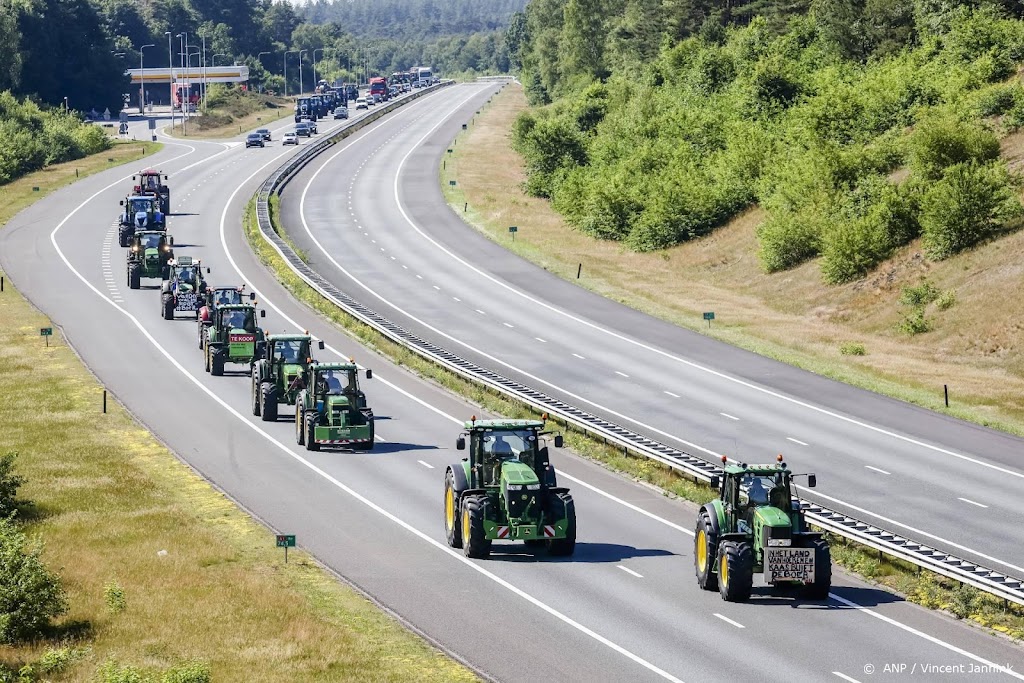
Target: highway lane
[945, 482]
[375, 517]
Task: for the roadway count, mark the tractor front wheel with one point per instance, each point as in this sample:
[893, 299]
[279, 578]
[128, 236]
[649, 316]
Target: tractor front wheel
[822, 571]
[452, 518]
[300, 424]
[124, 235]
[311, 444]
[268, 401]
[735, 570]
[704, 546]
[216, 362]
[134, 276]
[564, 508]
[255, 395]
[475, 543]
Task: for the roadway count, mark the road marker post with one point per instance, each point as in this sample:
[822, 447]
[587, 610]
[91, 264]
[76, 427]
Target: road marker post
[513, 229]
[46, 333]
[286, 541]
[709, 316]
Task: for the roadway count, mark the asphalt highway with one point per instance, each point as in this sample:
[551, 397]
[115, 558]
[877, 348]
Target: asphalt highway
[372, 219]
[625, 607]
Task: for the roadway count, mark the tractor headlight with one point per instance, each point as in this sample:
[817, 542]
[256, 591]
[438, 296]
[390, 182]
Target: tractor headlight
[532, 487]
[135, 249]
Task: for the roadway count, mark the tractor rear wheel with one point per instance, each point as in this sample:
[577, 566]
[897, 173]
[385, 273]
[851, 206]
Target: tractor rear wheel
[216, 362]
[564, 508]
[124, 234]
[268, 401]
[822, 571]
[475, 543]
[206, 358]
[134, 276]
[452, 519]
[735, 570]
[311, 444]
[201, 330]
[300, 424]
[167, 306]
[705, 543]
[255, 395]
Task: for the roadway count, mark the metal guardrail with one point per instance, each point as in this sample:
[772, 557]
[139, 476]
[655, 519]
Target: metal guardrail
[906, 549]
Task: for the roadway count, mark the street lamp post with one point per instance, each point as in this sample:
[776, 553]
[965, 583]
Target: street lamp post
[183, 43]
[265, 52]
[319, 49]
[286, 53]
[170, 75]
[301, 89]
[203, 36]
[142, 79]
[219, 54]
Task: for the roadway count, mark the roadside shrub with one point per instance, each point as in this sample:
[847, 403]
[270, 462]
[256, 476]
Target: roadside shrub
[946, 300]
[919, 296]
[969, 204]
[915, 322]
[940, 143]
[193, 672]
[788, 240]
[997, 100]
[964, 602]
[30, 595]
[114, 596]
[112, 672]
[9, 485]
[60, 659]
[852, 349]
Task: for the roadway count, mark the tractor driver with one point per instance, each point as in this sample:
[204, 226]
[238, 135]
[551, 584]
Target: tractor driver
[238, 319]
[333, 383]
[757, 494]
[497, 450]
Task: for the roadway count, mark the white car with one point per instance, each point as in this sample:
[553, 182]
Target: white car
[361, 103]
[290, 139]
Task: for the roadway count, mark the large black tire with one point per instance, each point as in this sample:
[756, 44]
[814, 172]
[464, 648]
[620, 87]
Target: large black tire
[254, 394]
[367, 445]
[165, 203]
[216, 362]
[134, 276]
[202, 331]
[564, 508]
[475, 543]
[167, 306]
[735, 570]
[124, 234]
[311, 445]
[268, 401]
[206, 358]
[452, 519]
[300, 423]
[705, 547]
[822, 571]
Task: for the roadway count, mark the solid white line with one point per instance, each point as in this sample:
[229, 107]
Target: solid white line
[671, 394]
[729, 621]
[972, 502]
[845, 677]
[630, 571]
[876, 469]
[425, 464]
[789, 438]
[731, 417]
[579, 356]
[621, 373]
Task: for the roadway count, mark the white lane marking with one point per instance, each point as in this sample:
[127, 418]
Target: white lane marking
[665, 354]
[617, 372]
[508, 325]
[437, 288]
[426, 464]
[630, 571]
[731, 417]
[419, 277]
[671, 394]
[981, 505]
[929, 638]
[480, 312]
[876, 469]
[540, 340]
[406, 267]
[393, 258]
[579, 356]
[457, 299]
[789, 438]
[729, 621]
[845, 677]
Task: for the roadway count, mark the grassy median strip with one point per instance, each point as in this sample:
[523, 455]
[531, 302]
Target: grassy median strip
[920, 586]
[165, 576]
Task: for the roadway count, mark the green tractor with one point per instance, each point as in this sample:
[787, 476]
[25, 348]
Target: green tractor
[281, 374]
[233, 337]
[148, 254]
[506, 490]
[184, 288]
[332, 411]
[756, 526]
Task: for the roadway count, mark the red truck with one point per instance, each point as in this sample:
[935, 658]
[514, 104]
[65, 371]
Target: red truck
[379, 86]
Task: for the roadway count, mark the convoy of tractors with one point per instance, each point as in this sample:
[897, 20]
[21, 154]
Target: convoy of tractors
[506, 489]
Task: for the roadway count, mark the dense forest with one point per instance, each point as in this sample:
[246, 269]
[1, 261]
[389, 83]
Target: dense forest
[859, 125]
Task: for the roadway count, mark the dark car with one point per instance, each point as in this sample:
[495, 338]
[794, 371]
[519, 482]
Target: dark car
[254, 140]
[302, 128]
[340, 112]
[265, 132]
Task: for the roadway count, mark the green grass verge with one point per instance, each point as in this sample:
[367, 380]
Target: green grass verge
[163, 572]
[922, 587]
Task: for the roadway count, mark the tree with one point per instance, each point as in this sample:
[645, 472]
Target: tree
[582, 43]
[30, 595]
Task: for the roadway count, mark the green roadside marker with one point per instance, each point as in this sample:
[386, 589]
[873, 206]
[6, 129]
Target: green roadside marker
[46, 333]
[286, 541]
[709, 316]
[513, 229]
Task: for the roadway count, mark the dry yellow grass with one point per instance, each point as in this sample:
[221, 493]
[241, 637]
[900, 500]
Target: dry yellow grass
[974, 346]
[109, 498]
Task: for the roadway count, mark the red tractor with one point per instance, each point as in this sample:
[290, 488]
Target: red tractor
[150, 182]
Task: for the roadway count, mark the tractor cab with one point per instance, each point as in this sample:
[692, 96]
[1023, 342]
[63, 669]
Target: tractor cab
[234, 337]
[150, 182]
[282, 373]
[332, 410]
[757, 526]
[149, 252]
[506, 490]
[184, 288]
[236, 318]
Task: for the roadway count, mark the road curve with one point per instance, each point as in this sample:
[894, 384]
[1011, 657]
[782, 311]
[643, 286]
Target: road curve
[942, 481]
[626, 607]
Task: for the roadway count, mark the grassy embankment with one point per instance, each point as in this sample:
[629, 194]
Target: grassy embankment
[230, 112]
[109, 499]
[923, 588]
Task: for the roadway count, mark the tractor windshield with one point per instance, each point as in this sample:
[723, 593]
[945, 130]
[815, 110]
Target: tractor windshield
[764, 489]
[295, 351]
[152, 182]
[226, 297]
[141, 205]
[149, 241]
[499, 446]
[240, 320]
[187, 274]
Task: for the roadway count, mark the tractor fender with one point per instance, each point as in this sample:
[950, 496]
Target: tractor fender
[260, 371]
[716, 515]
[459, 479]
[555, 490]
